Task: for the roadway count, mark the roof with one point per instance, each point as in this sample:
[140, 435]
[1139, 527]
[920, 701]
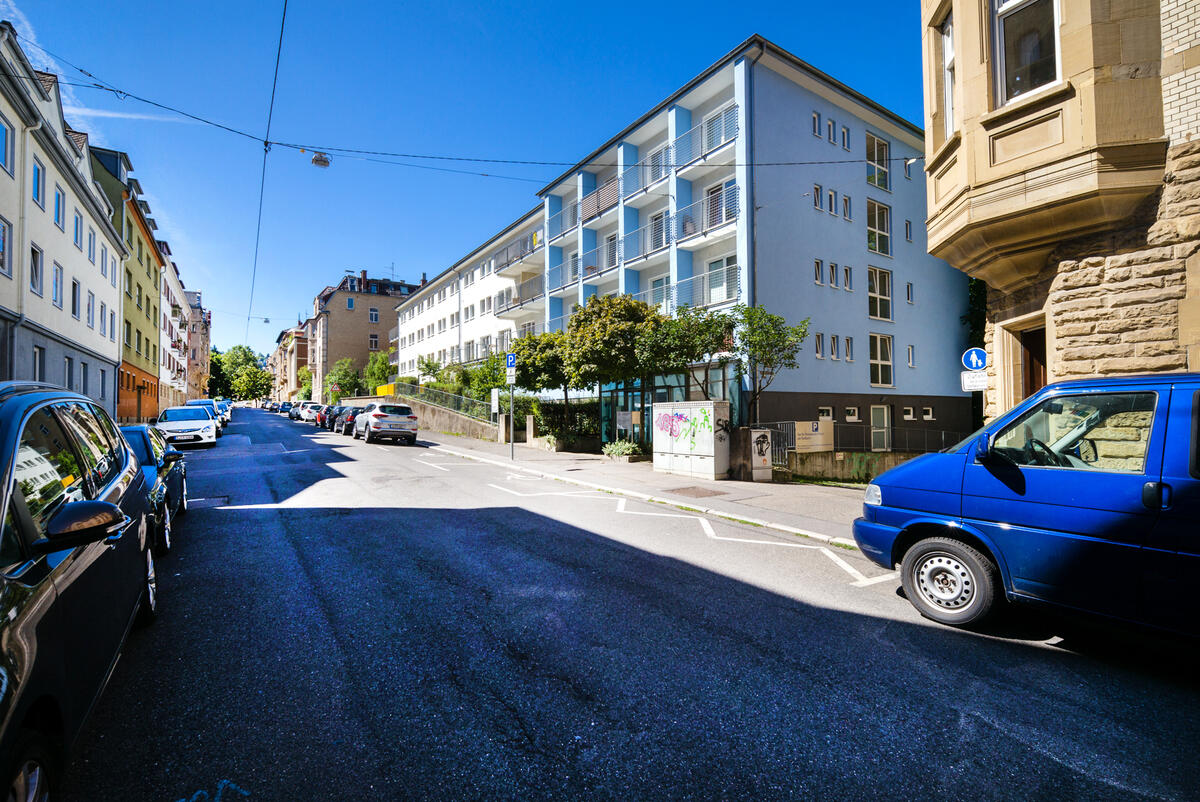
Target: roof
[1125, 381]
[79, 138]
[46, 79]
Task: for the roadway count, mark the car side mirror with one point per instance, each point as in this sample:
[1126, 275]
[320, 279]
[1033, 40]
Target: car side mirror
[983, 448]
[1085, 450]
[170, 458]
[154, 421]
[78, 523]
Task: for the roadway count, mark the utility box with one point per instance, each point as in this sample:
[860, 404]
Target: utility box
[691, 438]
[760, 455]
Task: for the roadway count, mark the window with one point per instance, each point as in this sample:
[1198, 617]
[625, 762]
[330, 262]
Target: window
[831, 131]
[112, 271]
[103, 319]
[56, 296]
[658, 239]
[373, 315]
[112, 326]
[908, 230]
[833, 275]
[349, 302]
[947, 40]
[818, 271]
[819, 346]
[912, 356]
[832, 207]
[720, 281]
[817, 197]
[139, 296]
[69, 373]
[77, 229]
[91, 309]
[1097, 431]
[6, 145]
[60, 207]
[39, 363]
[879, 228]
[879, 293]
[878, 163]
[48, 474]
[908, 292]
[851, 414]
[610, 251]
[5, 239]
[128, 334]
[845, 138]
[103, 383]
[75, 299]
[847, 279]
[129, 283]
[659, 167]
[92, 245]
[824, 413]
[881, 360]
[1026, 52]
[816, 123]
[846, 207]
[927, 413]
[373, 342]
[849, 349]
[833, 346]
[39, 183]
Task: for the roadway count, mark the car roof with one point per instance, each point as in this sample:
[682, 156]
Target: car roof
[1126, 381]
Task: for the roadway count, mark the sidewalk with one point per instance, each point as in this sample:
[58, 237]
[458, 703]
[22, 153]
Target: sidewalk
[816, 511]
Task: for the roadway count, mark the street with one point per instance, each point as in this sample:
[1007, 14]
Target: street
[344, 620]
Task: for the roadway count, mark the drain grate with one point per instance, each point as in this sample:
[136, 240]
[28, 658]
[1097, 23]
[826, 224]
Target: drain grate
[202, 503]
[696, 492]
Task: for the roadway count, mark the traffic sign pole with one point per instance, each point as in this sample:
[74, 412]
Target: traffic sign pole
[510, 368]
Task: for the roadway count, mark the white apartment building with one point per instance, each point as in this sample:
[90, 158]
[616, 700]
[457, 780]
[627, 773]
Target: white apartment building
[59, 296]
[172, 335]
[476, 306]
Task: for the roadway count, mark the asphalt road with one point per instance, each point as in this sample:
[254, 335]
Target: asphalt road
[343, 620]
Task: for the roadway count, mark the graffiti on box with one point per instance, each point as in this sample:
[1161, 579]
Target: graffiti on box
[682, 426]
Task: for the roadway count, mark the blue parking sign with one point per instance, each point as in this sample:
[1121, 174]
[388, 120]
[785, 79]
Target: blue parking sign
[510, 360]
[974, 359]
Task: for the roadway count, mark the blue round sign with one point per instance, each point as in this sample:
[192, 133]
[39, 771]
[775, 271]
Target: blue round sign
[974, 359]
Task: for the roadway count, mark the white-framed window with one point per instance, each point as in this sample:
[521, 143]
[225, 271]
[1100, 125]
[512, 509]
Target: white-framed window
[1025, 47]
[39, 183]
[912, 356]
[878, 162]
[350, 302]
[908, 292]
[77, 229]
[832, 196]
[881, 360]
[69, 372]
[879, 293]
[112, 330]
[847, 278]
[879, 228]
[908, 414]
[658, 239]
[927, 413]
[818, 198]
[91, 245]
[845, 138]
[91, 310]
[908, 230]
[833, 347]
[946, 33]
[103, 319]
[659, 166]
[833, 275]
[60, 207]
[846, 211]
[39, 363]
[56, 294]
[6, 145]
[112, 270]
[816, 123]
[75, 291]
[5, 245]
[819, 346]
[818, 271]
[373, 315]
[103, 383]
[824, 413]
[831, 131]
[372, 342]
[851, 414]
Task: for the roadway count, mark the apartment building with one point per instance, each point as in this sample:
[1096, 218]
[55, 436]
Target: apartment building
[766, 182]
[172, 334]
[1063, 169]
[199, 345]
[477, 305]
[284, 363]
[351, 320]
[140, 280]
[59, 250]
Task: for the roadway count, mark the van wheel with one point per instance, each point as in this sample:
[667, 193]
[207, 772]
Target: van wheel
[949, 581]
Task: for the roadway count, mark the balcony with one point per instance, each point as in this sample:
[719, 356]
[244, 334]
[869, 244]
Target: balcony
[647, 240]
[706, 141]
[600, 200]
[714, 288]
[645, 174]
[521, 299]
[517, 253]
[600, 261]
[708, 219]
[563, 222]
[529, 329]
[568, 274]
[393, 334]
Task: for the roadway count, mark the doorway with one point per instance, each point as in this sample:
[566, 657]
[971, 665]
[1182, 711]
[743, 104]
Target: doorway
[1033, 361]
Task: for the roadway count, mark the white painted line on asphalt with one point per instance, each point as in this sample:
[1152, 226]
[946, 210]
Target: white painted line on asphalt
[381, 448]
[575, 493]
[431, 465]
[875, 580]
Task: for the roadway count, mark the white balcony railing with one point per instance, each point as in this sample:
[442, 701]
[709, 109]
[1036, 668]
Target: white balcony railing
[713, 211]
[705, 137]
[532, 327]
[515, 251]
[653, 236]
[649, 170]
[564, 221]
[528, 290]
[600, 260]
[718, 286]
[567, 273]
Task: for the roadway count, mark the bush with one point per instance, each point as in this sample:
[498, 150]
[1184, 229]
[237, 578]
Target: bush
[583, 420]
[406, 380]
[621, 448]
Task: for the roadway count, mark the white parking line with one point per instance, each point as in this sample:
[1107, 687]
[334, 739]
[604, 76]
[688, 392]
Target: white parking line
[431, 465]
[875, 580]
[381, 448]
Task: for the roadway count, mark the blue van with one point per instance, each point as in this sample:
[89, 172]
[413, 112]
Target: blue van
[1086, 495]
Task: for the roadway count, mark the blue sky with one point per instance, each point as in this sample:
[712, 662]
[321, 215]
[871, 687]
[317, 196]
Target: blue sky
[540, 81]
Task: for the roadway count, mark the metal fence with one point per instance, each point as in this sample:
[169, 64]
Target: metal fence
[479, 410]
[783, 440]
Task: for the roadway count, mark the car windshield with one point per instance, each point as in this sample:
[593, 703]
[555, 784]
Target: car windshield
[392, 409]
[182, 413]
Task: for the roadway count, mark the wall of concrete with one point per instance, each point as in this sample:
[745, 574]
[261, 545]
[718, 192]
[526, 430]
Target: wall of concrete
[432, 418]
[855, 466]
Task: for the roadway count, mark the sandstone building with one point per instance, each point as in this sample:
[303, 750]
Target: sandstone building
[1063, 169]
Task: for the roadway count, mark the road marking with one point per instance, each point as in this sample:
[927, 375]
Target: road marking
[875, 580]
[381, 448]
[577, 493]
[431, 465]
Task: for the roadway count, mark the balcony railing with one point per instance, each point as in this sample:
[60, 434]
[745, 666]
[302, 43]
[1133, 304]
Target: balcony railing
[528, 290]
[568, 273]
[654, 167]
[393, 334]
[558, 323]
[600, 260]
[653, 236]
[530, 328]
[564, 221]
[713, 211]
[705, 137]
[599, 200]
[515, 251]
[716, 287]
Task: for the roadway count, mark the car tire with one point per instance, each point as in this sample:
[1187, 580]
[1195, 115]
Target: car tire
[182, 508]
[367, 435]
[32, 773]
[949, 581]
[148, 604]
[162, 537]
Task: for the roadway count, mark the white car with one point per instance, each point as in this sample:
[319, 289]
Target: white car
[308, 411]
[211, 406]
[190, 424]
[386, 421]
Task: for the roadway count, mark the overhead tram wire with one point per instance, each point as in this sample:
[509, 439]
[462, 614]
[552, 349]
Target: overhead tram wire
[262, 183]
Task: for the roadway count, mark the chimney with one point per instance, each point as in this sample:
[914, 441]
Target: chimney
[423, 278]
[363, 287]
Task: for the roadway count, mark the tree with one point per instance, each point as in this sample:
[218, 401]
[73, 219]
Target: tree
[481, 378]
[236, 358]
[701, 337]
[345, 378]
[219, 385]
[428, 366]
[541, 365]
[251, 382]
[767, 344]
[601, 340]
[379, 369]
[304, 374]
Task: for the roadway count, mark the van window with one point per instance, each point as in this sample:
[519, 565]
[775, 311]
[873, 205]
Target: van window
[1101, 432]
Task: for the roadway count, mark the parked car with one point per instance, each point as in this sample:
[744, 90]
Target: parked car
[271, 406]
[190, 424]
[327, 416]
[211, 405]
[1086, 495]
[344, 423]
[285, 407]
[76, 570]
[386, 421]
[297, 412]
[225, 410]
[166, 475]
[308, 411]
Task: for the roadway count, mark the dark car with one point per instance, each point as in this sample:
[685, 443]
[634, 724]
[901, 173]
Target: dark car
[327, 416]
[76, 572]
[284, 407]
[166, 475]
[345, 420]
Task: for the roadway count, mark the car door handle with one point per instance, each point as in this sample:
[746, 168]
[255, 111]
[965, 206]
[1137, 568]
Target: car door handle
[116, 531]
[1156, 495]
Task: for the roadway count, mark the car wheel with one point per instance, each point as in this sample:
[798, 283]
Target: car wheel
[182, 497]
[367, 435]
[162, 539]
[949, 581]
[33, 773]
[148, 606]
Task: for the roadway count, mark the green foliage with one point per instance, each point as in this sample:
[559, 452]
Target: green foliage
[406, 380]
[428, 366]
[621, 448]
[541, 361]
[378, 369]
[305, 377]
[236, 358]
[219, 380]
[346, 378]
[697, 336]
[481, 378]
[580, 419]
[602, 340]
[766, 343]
[251, 382]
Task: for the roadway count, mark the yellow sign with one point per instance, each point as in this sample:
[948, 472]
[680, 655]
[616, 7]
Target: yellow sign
[385, 389]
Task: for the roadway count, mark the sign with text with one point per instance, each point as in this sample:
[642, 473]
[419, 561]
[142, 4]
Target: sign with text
[974, 381]
[625, 420]
[814, 435]
[495, 400]
[511, 374]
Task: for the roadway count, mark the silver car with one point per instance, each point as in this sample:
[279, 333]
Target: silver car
[386, 421]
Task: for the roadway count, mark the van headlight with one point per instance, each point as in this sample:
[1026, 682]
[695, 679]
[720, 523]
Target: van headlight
[874, 495]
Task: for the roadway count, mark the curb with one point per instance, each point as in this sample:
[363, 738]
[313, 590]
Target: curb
[791, 530]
